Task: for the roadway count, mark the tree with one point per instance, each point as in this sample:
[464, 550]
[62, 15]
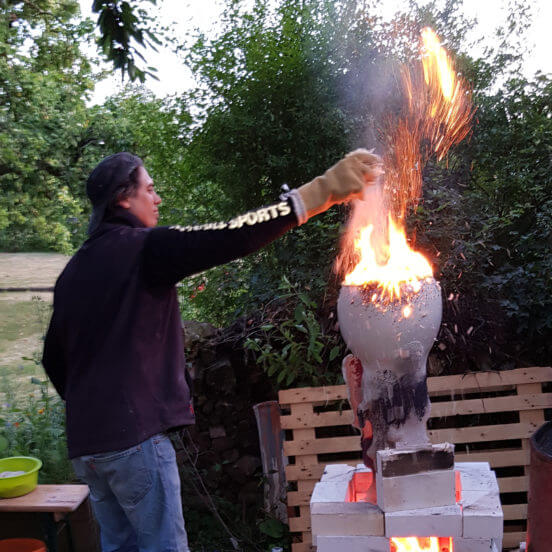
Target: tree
[43, 82]
[287, 91]
[124, 28]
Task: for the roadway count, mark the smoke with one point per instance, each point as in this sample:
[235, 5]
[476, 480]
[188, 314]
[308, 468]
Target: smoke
[372, 93]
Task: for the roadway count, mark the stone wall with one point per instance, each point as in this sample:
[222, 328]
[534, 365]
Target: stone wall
[226, 384]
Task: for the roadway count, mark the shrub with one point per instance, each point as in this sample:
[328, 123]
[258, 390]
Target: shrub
[34, 425]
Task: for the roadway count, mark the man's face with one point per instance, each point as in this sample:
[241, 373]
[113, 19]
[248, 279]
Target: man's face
[143, 203]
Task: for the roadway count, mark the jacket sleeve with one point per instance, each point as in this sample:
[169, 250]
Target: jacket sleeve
[53, 357]
[173, 252]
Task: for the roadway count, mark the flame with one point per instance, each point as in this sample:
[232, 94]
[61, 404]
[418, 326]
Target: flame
[437, 63]
[422, 544]
[403, 267]
[448, 104]
[436, 116]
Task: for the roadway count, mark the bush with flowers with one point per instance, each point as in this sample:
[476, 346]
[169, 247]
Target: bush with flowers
[34, 425]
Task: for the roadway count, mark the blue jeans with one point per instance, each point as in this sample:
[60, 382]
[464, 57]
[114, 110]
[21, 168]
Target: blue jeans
[135, 495]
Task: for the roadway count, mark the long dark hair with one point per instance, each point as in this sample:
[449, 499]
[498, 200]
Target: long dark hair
[124, 190]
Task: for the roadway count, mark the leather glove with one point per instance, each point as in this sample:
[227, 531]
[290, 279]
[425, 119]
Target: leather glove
[344, 181]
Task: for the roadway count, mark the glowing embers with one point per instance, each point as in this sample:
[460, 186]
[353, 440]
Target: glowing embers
[361, 488]
[402, 271]
[422, 544]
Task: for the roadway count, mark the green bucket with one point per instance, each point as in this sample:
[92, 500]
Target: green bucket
[18, 485]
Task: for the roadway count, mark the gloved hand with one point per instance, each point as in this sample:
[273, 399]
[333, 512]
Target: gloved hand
[344, 181]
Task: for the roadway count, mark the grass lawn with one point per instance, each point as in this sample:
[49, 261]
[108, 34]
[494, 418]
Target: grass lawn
[31, 415]
[24, 317]
[22, 325]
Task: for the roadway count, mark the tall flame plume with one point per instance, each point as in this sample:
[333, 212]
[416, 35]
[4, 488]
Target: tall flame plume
[436, 116]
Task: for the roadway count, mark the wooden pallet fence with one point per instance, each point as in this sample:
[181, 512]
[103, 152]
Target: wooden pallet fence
[489, 416]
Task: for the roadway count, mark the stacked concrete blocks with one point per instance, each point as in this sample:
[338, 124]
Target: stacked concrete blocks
[475, 523]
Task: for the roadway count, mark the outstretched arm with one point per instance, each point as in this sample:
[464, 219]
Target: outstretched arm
[174, 252]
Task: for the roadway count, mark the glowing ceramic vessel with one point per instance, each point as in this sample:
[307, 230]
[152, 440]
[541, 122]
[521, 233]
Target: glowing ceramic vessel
[386, 373]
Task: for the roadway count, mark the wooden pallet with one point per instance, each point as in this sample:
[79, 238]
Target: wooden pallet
[317, 420]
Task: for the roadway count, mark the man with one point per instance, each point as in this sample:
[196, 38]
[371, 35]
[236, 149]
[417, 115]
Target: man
[114, 348]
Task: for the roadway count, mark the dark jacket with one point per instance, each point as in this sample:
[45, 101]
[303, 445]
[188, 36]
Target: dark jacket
[114, 349]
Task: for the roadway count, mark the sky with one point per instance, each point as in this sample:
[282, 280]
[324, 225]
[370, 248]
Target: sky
[183, 16]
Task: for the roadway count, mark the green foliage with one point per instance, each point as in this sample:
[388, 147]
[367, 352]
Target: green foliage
[285, 90]
[270, 102]
[276, 534]
[270, 115]
[32, 416]
[43, 77]
[292, 346]
[35, 426]
[288, 90]
[125, 28]
[490, 218]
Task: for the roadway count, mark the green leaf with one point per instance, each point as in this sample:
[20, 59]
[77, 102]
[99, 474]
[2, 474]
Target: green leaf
[273, 528]
[299, 313]
[3, 443]
[335, 352]
[307, 301]
[290, 378]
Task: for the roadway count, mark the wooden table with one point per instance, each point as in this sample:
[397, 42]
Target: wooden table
[54, 503]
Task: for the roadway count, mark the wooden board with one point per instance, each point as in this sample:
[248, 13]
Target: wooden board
[479, 395]
[47, 498]
[471, 382]
[441, 410]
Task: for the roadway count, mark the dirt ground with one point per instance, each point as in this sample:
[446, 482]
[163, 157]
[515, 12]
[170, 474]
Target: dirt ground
[30, 269]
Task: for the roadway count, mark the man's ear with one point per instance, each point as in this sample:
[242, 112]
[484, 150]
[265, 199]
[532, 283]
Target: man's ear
[124, 203]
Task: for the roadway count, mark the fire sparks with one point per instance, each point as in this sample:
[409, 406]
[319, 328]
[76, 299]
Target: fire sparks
[422, 544]
[448, 104]
[404, 267]
[436, 115]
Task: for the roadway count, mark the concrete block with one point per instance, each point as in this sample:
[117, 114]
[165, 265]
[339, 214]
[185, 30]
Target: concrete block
[336, 470]
[445, 521]
[408, 461]
[352, 508]
[335, 482]
[362, 487]
[483, 515]
[477, 476]
[422, 490]
[330, 491]
[355, 518]
[473, 545]
[352, 544]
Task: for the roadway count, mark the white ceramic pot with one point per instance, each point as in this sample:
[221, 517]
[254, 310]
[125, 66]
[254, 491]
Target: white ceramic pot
[391, 342]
